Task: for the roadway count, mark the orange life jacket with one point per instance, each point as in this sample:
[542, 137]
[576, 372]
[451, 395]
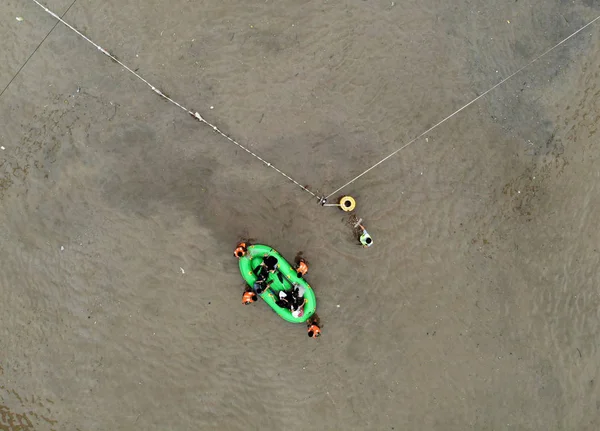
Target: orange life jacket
[248, 298]
[240, 251]
[302, 268]
[314, 331]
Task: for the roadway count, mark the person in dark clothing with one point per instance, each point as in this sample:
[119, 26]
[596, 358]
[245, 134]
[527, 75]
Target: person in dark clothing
[260, 285]
[298, 300]
[292, 299]
[261, 273]
[270, 263]
[267, 266]
[285, 300]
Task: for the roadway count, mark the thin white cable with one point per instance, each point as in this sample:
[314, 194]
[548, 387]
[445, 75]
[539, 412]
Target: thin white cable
[459, 110]
[196, 115]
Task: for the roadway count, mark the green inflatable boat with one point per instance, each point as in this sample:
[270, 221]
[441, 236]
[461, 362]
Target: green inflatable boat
[282, 279]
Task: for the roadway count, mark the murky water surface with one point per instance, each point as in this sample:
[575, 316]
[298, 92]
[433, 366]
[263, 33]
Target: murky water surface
[477, 308]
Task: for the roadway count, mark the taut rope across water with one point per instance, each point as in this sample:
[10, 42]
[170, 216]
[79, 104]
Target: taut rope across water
[462, 108]
[196, 115]
[322, 200]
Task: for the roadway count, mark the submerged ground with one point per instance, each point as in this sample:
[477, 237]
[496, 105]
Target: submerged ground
[477, 307]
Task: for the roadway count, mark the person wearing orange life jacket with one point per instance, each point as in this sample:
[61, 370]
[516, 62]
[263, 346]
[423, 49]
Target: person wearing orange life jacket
[313, 326]
[301, 268]
[314, 331]
[240, 250]
[249, 297]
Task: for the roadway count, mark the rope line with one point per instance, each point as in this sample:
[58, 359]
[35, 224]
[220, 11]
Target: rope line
[460, 109]
[196, 115]
[322, 200]
[34, 51]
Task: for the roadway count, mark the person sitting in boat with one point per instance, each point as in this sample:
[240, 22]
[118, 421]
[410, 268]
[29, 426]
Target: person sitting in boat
[267, 266]
[285, 300]
[261, 274]
[298, 300]
[292, 299]
[260, 286]
[297, 308]
[269, 263]
[298, 292]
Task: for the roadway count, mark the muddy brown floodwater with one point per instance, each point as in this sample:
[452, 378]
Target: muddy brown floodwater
[477, 306]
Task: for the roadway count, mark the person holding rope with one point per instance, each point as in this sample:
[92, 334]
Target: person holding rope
[365, 239]
[363, 236]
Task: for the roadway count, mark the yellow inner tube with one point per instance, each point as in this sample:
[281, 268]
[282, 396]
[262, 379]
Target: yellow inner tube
[347, 203]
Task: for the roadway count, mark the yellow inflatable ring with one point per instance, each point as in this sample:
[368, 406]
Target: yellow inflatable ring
[347, 203]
